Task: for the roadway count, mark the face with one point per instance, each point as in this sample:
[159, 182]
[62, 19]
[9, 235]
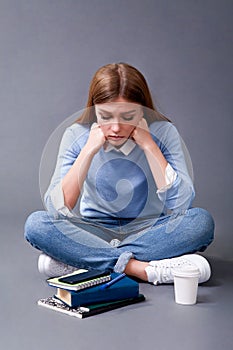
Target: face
[118, 119]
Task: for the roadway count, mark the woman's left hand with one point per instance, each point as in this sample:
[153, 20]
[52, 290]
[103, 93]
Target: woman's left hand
[141, 134]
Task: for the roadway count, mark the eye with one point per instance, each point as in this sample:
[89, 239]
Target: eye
[105, 117]
[128, 118]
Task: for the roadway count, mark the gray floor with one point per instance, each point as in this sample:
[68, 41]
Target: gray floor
[158, 323]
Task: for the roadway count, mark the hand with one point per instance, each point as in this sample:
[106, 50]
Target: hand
[141, 134]
[96, 138]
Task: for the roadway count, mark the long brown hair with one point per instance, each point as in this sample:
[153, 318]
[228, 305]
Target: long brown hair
[120, 80]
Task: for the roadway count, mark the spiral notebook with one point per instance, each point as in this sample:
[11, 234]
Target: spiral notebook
[80, 279]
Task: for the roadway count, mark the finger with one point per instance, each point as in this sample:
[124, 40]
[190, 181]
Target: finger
[132, 133]
[94, 125]
[143, 124]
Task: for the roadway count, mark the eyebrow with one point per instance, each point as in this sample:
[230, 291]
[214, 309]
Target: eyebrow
[128, 112]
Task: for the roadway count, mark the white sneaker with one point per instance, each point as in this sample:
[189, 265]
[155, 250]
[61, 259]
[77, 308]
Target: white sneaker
[53, 268]
[161, 271]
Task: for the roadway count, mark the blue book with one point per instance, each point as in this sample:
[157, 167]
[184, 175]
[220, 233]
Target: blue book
[123, 289]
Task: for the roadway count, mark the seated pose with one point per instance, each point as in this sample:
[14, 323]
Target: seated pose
[120, 198]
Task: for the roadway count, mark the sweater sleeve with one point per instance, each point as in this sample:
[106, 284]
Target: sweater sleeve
[179, 195]
[68, 152]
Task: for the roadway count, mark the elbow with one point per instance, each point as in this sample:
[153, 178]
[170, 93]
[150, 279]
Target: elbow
[69, 202]
[184, 200]
[180, 198]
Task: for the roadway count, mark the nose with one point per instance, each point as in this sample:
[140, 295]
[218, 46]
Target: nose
[115, 126]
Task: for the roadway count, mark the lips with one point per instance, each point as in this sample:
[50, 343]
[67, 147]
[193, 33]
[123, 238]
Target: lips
[115, 137]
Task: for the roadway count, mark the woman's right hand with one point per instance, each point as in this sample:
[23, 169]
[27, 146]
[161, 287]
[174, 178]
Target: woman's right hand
[96, 139]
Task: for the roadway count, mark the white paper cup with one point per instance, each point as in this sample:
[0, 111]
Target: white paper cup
[186, 285]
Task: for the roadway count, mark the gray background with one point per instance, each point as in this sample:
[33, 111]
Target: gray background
[49, 51]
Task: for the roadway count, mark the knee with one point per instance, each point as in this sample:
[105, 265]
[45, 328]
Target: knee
[32, 228]
[205, 224]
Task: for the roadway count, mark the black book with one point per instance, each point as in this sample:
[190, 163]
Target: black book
[88, 310]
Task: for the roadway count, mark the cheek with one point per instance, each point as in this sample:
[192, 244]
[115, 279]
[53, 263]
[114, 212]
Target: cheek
[104, 128]
[128, 128]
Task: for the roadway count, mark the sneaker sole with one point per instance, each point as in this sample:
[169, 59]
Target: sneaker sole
[41, 263]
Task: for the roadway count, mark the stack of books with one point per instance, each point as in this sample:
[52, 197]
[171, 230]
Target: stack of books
[86, 293]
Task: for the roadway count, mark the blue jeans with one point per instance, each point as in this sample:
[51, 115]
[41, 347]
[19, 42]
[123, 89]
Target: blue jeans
[108, 244]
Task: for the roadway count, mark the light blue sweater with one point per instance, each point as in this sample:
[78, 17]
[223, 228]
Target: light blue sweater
[120, 185]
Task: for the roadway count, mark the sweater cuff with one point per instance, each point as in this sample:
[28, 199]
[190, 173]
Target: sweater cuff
[170, 177]
[57, 198]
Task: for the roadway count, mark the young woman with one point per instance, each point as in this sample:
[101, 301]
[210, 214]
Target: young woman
[123, 163]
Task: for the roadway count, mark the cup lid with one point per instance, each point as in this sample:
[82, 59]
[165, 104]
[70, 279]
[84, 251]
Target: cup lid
[187, 271]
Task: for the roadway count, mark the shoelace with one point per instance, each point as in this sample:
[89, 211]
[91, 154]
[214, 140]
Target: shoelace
[58, 268]
[164, 269]
[62, 268]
